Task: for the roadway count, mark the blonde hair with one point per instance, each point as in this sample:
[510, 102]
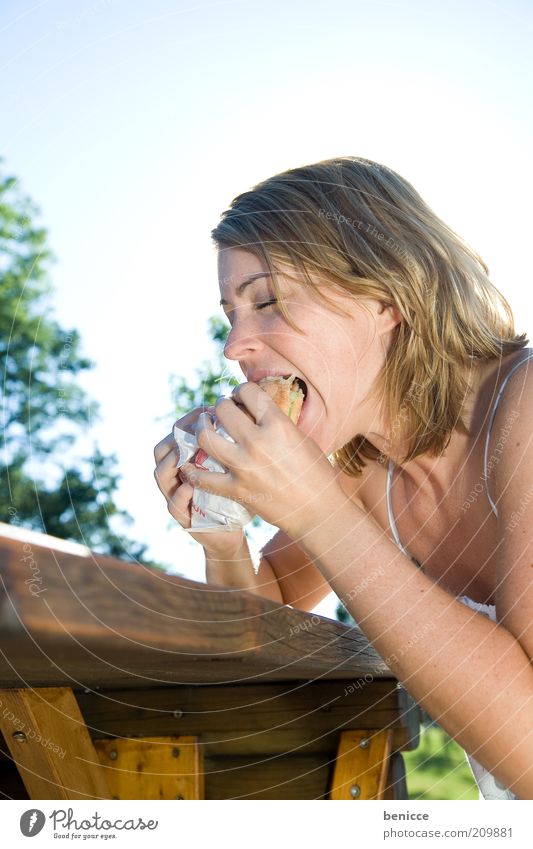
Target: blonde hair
[360, 226]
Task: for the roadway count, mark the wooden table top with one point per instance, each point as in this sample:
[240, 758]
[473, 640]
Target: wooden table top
[71, 617]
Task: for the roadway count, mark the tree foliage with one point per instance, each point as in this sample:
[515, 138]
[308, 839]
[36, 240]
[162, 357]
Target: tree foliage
[44, 409]
[213, 376]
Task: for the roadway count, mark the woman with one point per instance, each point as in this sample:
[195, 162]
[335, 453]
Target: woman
[411, 463]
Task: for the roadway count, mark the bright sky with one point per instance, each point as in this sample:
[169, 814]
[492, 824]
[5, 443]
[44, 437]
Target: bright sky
[134, 123]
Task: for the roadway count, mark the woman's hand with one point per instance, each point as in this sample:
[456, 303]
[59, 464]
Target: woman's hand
[273, 468]
[178, 492]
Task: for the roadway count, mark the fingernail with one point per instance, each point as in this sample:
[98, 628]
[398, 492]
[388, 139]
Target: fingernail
[189, 473]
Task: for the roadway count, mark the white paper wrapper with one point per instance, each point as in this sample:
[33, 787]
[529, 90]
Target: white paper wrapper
[209, 512]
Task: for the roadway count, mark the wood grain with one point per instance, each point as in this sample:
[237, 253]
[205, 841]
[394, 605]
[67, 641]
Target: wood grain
[93, 620]
[153, 768]
[362, 765]
[49, 742]
[244, 718]
[263, 690]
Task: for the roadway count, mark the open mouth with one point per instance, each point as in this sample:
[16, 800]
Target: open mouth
[301, 383]
[289, 392]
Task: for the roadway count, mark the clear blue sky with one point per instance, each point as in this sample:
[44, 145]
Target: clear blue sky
[134, 124]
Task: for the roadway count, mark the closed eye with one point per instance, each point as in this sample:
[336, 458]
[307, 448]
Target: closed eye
[271, 303]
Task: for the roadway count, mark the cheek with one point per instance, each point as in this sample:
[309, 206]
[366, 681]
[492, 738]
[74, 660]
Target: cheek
[358, 338]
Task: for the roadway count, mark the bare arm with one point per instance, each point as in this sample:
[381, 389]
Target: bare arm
[237, 571]
[470, 674]
[302, 584]
[285, 573]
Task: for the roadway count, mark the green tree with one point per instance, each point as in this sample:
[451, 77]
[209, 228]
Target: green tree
[344, 615]
[213, 376]
[43, 408]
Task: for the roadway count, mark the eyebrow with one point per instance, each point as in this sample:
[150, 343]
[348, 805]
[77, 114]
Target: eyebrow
[242, 286]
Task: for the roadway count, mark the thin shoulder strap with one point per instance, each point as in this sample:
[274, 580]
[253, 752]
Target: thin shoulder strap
[491, 422]
[392, 523]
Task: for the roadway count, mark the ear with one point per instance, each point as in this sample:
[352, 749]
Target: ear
[388, 316]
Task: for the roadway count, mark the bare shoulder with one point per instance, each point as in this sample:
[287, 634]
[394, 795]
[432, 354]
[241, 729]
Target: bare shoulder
[515, 403]
[357, 488]
[512, 490]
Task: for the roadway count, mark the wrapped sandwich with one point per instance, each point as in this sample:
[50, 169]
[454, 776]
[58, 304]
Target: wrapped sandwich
[287, 393]
[210, 512]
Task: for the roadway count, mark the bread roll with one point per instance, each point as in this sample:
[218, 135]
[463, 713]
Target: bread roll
[286, 393]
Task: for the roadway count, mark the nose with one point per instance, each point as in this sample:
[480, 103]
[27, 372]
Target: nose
[242, 340]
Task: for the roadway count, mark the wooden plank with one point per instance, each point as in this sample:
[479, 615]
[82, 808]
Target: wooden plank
[49, 742]
[362, 765]
[297, 742]
[318, 705]
[103, 622]
[281, 777]
[251, 720]
[254, 722]
[268, 718]
[153, 768]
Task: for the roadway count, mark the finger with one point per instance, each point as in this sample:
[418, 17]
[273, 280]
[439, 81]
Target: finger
[257, 402]
[162, 448]
[213, 443]
[219, 483]
[185, 423]
[235, 419]
[191, 417]
[166, 473]
[179, 504]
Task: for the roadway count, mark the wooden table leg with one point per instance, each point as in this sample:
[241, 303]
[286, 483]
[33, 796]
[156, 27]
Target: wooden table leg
[153, 767]
[50, 744]
[362, 765]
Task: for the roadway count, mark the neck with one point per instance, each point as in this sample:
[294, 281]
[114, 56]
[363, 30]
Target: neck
[387, 440]
[442, 471]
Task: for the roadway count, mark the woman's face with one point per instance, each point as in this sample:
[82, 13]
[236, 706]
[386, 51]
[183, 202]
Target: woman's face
[339, 356]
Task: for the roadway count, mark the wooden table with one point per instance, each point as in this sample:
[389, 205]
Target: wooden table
[118, 681]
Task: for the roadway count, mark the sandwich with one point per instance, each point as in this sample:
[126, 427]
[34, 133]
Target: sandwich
[288, 393]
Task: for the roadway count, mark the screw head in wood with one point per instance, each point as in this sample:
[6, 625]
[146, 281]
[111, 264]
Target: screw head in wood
[175, 752]
[365, 743]
[19, 736]
[113, 754]
[355, 791]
